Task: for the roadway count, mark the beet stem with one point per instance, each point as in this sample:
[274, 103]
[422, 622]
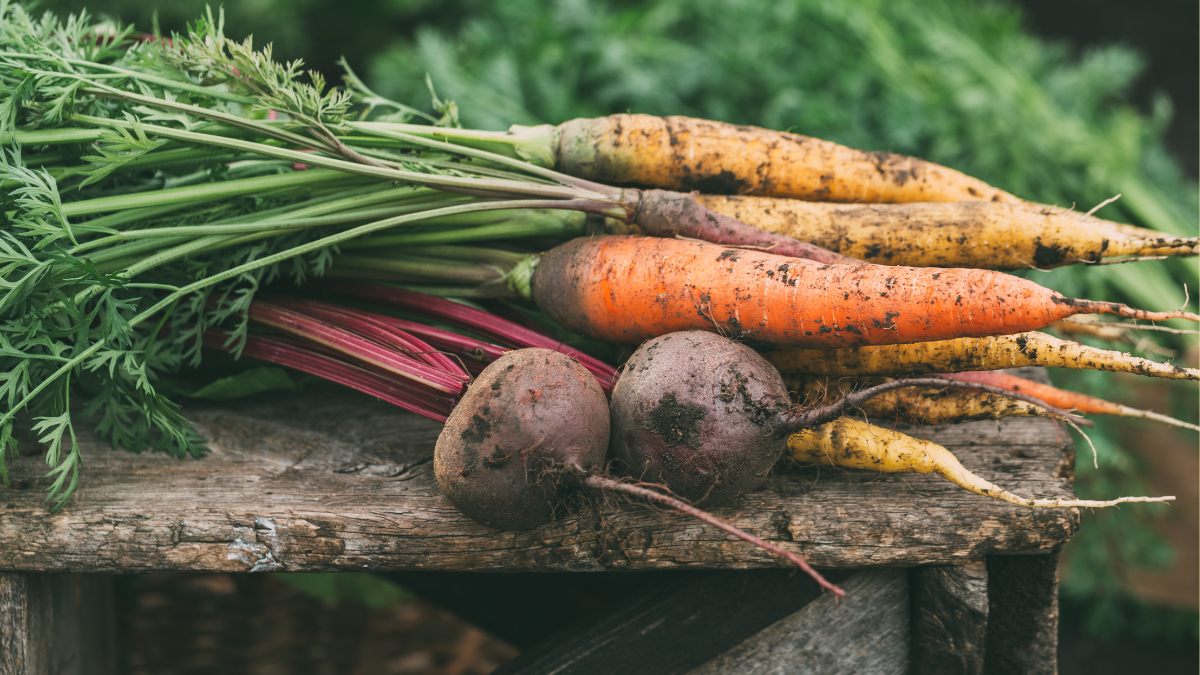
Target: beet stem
[483, 323]
[602, 483]
[372, 326]
[673, 214]
[790, 421]
[428, 402]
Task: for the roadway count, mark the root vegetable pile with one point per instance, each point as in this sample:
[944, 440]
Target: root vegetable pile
[161, 196]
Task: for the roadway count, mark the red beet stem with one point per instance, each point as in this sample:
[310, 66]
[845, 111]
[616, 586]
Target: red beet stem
[357, 347]
[475, 354]
[488, 325]
[371, 326]
[602, 483]
[287, 353]
[476, 350]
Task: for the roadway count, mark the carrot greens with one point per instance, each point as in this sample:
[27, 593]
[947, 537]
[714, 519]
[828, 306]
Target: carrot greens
[152, 188]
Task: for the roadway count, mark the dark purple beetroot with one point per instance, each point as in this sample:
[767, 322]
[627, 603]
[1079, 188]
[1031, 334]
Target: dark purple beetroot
[535, 424]
[697, 412]
[530, 425]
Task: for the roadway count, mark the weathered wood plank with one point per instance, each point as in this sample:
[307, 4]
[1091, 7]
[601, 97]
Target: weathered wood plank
[866, 633]
[673, 627]
[24, 624]
[1022, 630]
[949, 618]
[331, 480]
[56, 624]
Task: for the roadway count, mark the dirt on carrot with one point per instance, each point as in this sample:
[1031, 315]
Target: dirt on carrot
[683, 153]
[914, 405]
[627, 289]
[984, 353]
[987, 235]
[853, 444]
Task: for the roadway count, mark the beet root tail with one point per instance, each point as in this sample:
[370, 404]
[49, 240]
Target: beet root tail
[602, 483]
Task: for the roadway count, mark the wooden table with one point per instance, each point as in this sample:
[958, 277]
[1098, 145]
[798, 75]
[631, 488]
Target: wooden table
[940, 580]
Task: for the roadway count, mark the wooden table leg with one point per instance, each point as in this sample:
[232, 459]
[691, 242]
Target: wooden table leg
[1022, 628]
[57, 624]
[868, 632]
[949, 618]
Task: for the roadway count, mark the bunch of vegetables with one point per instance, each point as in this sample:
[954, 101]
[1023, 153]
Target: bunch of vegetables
[216, 170]
[963, 83]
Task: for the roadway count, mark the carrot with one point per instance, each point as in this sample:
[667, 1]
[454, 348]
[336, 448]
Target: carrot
[627, 289]
[682, 153]
[1061, 398]
[1112, 331]
[853, 444]
[987, 235]
[916, 405]
[986, 353]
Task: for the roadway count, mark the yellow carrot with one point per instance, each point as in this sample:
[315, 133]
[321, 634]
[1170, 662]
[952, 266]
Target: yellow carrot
[989, 235]
[914, 405]
[854, 444]
[957, 355]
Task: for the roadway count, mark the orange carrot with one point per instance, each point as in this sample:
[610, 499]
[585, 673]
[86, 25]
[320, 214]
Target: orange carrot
[627, 289]
[1061, 398]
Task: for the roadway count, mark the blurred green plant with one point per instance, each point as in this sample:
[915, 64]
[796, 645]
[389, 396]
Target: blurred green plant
[366, 590]
[958, 82]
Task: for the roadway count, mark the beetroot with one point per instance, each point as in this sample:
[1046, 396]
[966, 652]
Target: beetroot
[708, 417]
[700, 414]
[532, 423]
[532, 427]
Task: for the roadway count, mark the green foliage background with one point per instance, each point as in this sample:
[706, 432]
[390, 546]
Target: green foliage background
[959, 82]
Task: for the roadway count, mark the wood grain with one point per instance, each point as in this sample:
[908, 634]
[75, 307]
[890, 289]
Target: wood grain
[675, 626]
[331, 480]
[949, 618]
[56, 624]
[866, 633]
[1022, 628]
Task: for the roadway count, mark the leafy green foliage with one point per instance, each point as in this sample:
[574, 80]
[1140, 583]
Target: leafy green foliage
[68, 318]
[109, 291]
[214, 58]
[117, 148]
